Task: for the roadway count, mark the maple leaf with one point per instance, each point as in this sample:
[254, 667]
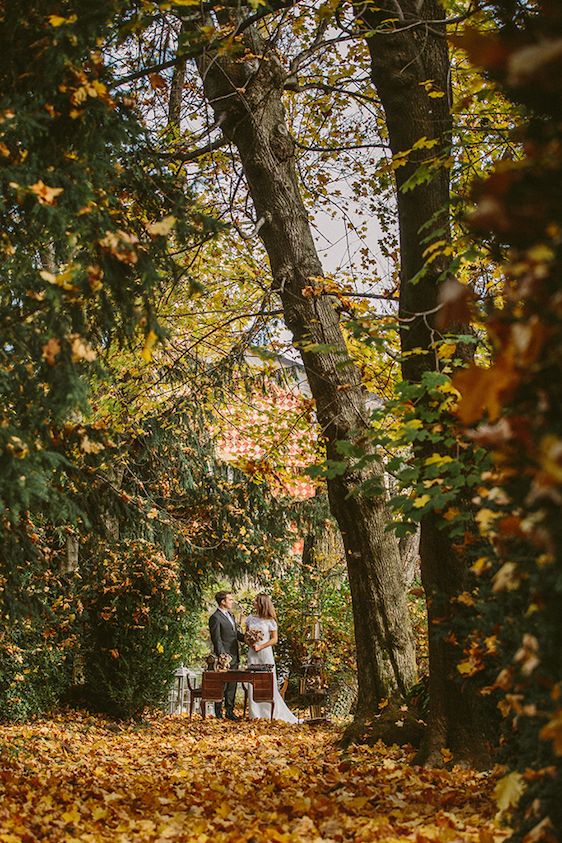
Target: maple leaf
[149, 343]
[157, 82]
[485, 389]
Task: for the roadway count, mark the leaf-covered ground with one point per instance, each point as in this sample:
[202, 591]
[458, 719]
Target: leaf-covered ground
[80, 778]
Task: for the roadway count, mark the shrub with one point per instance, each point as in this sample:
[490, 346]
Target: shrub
[294, 597]
[37, 639]
[134, 622]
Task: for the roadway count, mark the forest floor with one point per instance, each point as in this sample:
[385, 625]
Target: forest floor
[81, 778]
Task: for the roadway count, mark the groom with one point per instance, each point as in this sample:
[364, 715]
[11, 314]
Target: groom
[225, 637]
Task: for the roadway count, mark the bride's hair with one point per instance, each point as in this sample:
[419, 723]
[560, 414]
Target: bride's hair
[265, 608]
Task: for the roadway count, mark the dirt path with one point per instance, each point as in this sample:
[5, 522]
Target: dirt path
[79, 778]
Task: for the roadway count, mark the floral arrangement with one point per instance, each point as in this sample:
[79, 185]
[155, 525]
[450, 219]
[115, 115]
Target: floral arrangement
[252, 636]
[224, 661]
[221, 662]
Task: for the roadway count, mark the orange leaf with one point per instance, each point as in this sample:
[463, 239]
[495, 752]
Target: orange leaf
[485, 389]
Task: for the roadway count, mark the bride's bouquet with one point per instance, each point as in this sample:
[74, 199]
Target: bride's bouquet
[252, 636]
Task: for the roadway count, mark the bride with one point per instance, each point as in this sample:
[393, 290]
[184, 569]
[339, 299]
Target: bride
[264, 619]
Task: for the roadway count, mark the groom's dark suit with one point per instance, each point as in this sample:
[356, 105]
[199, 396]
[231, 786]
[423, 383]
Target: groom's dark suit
[225, 637]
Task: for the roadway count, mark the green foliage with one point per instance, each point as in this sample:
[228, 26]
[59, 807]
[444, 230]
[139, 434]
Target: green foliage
[38, 636]
[174, 492]
[444, 476]
[302, 597]
[80, 190]
[92, 223]
[133, 626]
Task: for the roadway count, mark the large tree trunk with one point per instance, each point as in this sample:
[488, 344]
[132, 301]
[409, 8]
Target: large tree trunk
[246, 96]
[401, 62]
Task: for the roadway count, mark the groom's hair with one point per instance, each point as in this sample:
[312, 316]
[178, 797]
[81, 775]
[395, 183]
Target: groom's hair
[220, 596]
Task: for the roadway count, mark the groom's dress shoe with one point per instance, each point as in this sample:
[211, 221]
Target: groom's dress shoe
[231, 716]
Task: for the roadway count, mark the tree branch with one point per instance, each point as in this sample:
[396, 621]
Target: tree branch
[194, 154]
[341, 148]
[271, 8]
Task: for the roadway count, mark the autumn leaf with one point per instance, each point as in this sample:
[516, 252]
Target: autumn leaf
[121, 245]
[50, 350]
[161, 228]
[57, 20]
[508, 791]
[152, 779]
[149, 343]
[89, 446]
[64, 279]
[553, 732]
[543, 832]
[80, 349]
[455, 304]
[45, 194]
[485, 49]
[446, 350]
[469, 667]
[157, 82]
[507, 578]
[485, 389]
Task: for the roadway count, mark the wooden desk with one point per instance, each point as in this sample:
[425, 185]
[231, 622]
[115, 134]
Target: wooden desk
[213, 682]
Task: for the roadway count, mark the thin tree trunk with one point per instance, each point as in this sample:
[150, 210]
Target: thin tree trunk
[247, 98]
[176, 90]
[404, 64]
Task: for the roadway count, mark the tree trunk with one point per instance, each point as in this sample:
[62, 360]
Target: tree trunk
[246, 96]
[409, 547]
[401, 62]
[176, 90]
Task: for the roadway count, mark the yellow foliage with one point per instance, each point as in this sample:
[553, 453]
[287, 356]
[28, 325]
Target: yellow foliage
[508, 791]
[149, 343]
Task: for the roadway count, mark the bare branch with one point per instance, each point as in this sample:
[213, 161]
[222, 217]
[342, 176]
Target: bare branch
[293, 86]
[193, 52]
[262, 221]
[341, 148]
[194, 154]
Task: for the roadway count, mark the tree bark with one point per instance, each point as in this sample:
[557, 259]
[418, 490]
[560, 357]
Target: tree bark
[176, 90]
[404, 55]
[246, 96]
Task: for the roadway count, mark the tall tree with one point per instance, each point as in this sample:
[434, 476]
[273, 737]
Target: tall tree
[245, 89]
[410, 68]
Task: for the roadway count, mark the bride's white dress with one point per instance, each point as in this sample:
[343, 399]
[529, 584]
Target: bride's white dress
[265, 656]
